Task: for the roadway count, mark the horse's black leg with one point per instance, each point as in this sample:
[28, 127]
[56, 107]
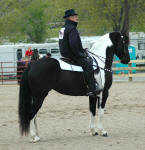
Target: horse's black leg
[92, 106]
[36, 105]
[101, 106]
[104, 98]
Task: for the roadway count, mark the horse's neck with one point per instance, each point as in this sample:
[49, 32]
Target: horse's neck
[109, 57]
[100, 48]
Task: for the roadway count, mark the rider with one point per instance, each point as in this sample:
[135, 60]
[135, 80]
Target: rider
[71, 47]
[28, 52]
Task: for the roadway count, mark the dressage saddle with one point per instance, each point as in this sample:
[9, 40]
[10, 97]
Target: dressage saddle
[68, 60]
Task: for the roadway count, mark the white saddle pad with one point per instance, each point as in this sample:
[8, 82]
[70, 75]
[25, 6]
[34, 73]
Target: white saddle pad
[66, 66]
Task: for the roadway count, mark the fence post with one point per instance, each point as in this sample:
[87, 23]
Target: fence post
[129, 72]
[2, 72]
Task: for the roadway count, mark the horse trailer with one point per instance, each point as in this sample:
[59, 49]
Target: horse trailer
[10, 54]
[138, 40]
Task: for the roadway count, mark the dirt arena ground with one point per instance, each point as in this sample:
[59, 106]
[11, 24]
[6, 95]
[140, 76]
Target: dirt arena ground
[63, 121]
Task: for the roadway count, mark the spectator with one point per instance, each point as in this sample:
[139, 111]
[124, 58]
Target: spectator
[28, 52]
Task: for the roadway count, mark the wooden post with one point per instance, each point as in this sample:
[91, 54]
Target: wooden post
[129, 72]
[2, 72]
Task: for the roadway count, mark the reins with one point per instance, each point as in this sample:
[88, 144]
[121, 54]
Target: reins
[98, 56]
[108, 70]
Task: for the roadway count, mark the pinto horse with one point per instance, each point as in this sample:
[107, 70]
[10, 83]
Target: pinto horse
[46, 74]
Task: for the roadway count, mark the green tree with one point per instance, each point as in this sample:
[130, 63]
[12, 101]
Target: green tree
[111, 14]
[35, 22]
[25, 20]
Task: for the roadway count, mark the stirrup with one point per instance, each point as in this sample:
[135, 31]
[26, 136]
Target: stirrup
[90, 94]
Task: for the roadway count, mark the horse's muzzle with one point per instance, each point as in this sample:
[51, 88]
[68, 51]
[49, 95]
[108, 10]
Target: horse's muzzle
[125, 60]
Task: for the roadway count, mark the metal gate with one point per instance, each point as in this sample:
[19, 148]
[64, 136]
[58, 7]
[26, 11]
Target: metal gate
[10, 72]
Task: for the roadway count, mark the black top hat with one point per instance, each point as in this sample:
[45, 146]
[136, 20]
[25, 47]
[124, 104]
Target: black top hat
[70, 12]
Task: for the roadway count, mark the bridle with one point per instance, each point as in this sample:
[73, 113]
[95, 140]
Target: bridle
[104, 59]
[122, 37]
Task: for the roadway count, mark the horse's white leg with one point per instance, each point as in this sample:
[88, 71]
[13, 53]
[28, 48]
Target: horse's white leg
[34, 131]
[100, 128]
[92, 125]
[92, 104]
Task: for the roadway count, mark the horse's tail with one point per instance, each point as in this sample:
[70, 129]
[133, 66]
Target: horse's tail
[25, 101]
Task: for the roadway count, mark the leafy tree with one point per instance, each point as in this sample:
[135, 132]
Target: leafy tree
[111, 14]
[25, 21]
[36, 20]
[137, 15]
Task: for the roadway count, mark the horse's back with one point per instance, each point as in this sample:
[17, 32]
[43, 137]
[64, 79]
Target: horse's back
[44, 65]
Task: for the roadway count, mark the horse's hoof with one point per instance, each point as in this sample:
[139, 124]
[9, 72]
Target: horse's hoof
[96, 134]
[102, 132]
[93, 132]
[105, 134]
[35, 139]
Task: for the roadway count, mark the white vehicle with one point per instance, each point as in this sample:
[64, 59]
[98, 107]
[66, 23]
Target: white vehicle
[138, 40]
[10, 54]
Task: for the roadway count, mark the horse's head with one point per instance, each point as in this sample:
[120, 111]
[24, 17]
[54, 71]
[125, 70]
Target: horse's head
[35, 55]
[120, 44]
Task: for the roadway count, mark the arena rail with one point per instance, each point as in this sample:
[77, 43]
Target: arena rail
[11, 74]
[139, 69]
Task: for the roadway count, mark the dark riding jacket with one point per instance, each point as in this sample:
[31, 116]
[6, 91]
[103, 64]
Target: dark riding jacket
[69, 41]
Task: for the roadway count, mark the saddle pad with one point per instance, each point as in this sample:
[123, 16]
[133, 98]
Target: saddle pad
[69, 67]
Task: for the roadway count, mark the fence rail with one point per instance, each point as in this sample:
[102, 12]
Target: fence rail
[139, 69]
[10, 72]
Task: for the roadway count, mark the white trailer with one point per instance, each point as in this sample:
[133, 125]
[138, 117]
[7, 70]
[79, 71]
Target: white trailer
[138, 40]
[10, 54]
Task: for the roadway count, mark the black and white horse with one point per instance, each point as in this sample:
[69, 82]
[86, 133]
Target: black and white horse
[46, 74]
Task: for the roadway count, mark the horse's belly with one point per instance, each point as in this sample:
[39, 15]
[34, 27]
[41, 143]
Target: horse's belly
[71, 83]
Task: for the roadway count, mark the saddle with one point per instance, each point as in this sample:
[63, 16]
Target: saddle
[70, 65]
[69, 61]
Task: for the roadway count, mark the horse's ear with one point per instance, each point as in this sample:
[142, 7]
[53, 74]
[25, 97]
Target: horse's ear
[124, 32]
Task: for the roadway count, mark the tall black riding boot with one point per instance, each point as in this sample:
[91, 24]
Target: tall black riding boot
[87, 66]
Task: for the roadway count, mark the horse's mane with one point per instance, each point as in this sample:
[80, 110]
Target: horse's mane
[101, 44]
